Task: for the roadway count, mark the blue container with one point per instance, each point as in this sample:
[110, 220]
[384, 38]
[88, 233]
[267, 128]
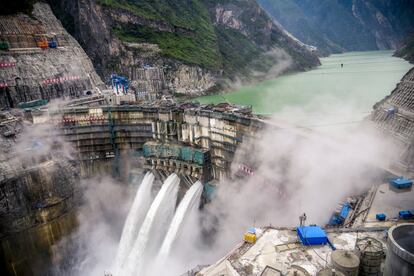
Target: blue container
[405, 214]
[380, 216]
[52, 44]
[401, 182]
[339, 219]
[344, 211]
[312, 235]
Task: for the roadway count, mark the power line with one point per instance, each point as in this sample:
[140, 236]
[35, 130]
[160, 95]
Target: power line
[354, 72]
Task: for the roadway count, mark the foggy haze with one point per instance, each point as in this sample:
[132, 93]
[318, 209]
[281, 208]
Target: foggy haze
[295, 171]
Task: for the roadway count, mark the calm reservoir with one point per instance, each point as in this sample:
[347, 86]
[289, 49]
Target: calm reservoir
[343, 93]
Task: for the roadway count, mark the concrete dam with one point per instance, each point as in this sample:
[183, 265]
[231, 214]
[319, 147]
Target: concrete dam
[62, 128]
[46, 153]
[194, 141]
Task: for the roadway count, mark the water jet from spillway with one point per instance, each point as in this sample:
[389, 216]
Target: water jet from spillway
[153, 228]
[190, 201]
[136, 216]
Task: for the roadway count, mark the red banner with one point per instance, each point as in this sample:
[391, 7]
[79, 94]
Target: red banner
[60, 79]
[4, 64]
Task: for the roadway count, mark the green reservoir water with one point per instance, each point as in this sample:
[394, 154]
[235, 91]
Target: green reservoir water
[346, 93]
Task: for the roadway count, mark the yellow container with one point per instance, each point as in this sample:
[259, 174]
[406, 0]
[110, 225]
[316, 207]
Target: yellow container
[250, 237]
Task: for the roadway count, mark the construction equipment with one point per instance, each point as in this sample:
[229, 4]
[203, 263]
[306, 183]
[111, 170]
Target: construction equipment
[119, 84]
[43, 44]
[250, 235]
[400, 253]
[346, 262]
[401, 183]
[46, 41]
[312, 235]
[41, 41]
[380, 216]
[339, 217]
[371, 253]
[405, 214]
[52, 44]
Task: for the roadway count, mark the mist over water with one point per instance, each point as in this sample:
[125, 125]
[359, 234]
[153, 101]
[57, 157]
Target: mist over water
[293, 174]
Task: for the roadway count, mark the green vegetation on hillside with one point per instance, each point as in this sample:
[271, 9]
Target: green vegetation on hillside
[189, 31]
[237, 51]
[179, 46]
[194, 40]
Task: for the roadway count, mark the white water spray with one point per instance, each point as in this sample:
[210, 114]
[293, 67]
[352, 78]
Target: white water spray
[154, 227]
[136, 215]
[190, 201]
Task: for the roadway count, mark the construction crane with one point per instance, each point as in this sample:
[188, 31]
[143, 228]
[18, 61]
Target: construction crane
[119, 84]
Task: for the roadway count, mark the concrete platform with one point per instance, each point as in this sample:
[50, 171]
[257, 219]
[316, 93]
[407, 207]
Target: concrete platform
[390, 201]
[280, 249]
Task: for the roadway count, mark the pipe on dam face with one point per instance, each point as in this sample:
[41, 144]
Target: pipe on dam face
[400, 257]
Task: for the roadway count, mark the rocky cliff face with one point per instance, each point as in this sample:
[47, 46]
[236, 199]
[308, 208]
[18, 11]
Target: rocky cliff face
[28, 72]
[250, 42]
[345, 25]
[39, 190]
[406, 50]
[181, 47]
[394, 116]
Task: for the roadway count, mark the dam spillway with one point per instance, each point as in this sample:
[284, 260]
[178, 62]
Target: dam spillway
[153, 228]
[135, 218]
[156, 235]
[190, 201]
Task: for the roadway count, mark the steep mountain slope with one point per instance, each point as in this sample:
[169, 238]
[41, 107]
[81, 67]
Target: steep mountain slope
[28, 72]
[345, 25]
[181, 46]
[406, 50]
[394, 116]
